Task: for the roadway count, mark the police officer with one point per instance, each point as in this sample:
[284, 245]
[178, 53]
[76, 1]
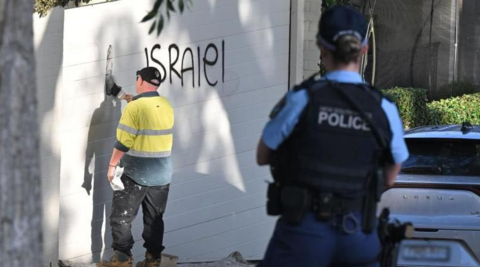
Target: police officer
[328, 142]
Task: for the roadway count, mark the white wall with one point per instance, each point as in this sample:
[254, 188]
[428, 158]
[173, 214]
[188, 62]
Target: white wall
[217, 197]
[311, 54]
[297, 18]
[304, 53]
[48, 39]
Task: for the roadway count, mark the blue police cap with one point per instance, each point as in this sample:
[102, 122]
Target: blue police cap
[339, 21]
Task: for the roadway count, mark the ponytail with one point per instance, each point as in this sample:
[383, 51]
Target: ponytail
[347, 49]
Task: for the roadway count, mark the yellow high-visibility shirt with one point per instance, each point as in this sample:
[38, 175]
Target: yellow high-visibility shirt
[145, 133]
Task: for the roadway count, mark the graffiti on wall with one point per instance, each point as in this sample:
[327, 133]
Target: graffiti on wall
[198, 62]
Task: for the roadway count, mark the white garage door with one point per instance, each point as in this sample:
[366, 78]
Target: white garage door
[226, 65]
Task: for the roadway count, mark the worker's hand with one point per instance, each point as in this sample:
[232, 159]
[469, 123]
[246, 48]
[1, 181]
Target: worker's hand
[129, 98]
[110, 173]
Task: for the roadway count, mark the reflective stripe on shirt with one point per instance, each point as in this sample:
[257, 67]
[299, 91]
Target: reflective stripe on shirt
[143, 154]
[133, 131]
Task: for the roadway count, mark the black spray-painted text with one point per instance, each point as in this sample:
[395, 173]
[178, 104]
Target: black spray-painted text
[178, 65]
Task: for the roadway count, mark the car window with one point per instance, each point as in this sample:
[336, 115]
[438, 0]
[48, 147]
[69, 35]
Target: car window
[443, 157]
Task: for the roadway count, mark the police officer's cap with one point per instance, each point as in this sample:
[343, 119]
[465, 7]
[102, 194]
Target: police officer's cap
[339, 21]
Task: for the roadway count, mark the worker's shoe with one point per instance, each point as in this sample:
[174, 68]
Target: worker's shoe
[118, 259]
[150, 261]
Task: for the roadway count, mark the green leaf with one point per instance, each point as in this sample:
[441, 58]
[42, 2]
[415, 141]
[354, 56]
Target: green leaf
[152, 28]
[160, 25]
[150, 15]
[181, 6]
[170, 5]
[153, 12]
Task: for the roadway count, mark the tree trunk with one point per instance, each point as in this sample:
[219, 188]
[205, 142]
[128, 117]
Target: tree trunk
[20, 201]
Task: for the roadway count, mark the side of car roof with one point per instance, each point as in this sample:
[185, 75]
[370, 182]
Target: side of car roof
[455, 131]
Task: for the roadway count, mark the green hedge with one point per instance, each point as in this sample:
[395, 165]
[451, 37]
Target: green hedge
[412, 105]
[416, 111]
[455, 110]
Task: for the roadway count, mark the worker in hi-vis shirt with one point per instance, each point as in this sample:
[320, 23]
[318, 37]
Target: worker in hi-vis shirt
[143, 149]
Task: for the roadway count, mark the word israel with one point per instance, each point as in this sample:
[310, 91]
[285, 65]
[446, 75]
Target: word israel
[180, 63]
[343, 118]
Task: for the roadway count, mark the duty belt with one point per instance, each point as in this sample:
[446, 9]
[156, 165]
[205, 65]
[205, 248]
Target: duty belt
[294, 201]
[326, 205]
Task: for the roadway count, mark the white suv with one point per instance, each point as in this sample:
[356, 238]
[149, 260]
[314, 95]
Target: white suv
[438, 190]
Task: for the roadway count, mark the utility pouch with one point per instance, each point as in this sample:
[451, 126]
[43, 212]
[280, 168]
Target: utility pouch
[274, 206]
[295, 202]
[324, 206]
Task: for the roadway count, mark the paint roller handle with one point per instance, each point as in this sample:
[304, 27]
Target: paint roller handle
[128, 98]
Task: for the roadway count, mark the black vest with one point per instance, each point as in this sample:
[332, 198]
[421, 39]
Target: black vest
[332, 149]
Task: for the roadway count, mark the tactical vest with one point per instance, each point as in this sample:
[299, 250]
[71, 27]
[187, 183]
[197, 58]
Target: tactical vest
[332, 149]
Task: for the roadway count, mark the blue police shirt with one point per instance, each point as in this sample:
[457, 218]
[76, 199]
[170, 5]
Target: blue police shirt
[280, 127]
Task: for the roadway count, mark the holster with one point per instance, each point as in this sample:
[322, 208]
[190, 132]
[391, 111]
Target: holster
[274, 205]
[295, 202]
[374, 189]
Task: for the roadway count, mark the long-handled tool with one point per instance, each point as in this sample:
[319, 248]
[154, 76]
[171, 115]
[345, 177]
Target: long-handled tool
[111, 88]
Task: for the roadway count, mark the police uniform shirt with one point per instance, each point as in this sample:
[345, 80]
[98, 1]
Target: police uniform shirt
[281, 126]
[145, 134]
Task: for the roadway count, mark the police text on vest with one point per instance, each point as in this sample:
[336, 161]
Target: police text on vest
[343, 118]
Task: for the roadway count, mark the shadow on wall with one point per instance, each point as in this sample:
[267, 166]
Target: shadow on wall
[102, 132]
[95, 170]
[218, 192]
[89, 134]
[48, 38]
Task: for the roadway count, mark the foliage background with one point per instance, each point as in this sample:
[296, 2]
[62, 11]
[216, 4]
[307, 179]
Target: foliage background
[415, 109]
[159, 14]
